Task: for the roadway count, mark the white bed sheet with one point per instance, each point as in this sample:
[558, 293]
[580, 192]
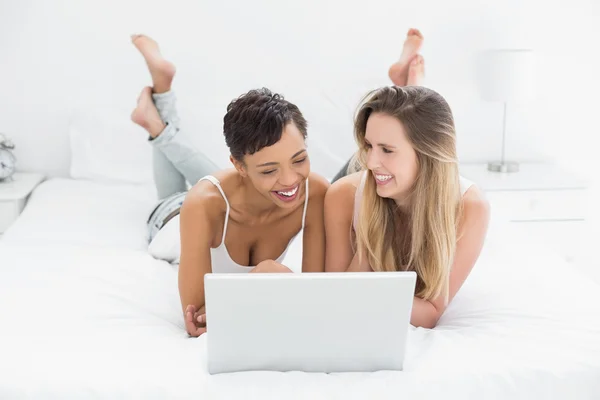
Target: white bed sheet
[84, 318]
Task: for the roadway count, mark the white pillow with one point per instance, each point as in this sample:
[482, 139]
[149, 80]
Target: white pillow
[166, 245]
[106, 146]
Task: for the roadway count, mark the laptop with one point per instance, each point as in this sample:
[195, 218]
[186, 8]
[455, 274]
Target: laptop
[311, 322]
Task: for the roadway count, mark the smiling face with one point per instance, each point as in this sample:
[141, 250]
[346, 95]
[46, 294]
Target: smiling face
[390, 156]
[407, 142]
[279, 171]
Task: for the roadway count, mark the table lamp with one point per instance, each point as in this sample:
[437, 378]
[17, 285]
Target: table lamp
[506, 75]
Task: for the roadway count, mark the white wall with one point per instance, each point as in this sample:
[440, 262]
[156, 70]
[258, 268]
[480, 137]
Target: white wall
[322, 54]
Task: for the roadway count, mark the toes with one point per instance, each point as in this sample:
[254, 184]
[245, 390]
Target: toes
[414, 32]
[136, 36]
[418, 59]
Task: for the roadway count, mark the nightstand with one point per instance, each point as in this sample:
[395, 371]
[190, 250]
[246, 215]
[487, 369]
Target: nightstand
[548, 203]
[14, 195]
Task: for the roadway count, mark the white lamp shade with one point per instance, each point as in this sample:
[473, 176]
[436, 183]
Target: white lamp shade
[506, 75]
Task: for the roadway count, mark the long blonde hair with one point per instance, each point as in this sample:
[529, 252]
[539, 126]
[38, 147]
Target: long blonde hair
[428, 245]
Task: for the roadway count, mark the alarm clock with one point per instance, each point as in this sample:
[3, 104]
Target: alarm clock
[8, 161]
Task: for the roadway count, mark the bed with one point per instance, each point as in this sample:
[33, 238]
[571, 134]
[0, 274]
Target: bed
[87, 313]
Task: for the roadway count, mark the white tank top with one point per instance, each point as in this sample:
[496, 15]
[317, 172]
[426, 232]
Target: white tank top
[464, 183]
[222, 262]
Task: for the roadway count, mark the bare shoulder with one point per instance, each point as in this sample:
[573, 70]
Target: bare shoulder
[344, 189]
[475, 204]
[339, 200]
[318, 186]
[204, 201]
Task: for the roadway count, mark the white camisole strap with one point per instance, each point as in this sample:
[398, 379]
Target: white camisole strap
[305, 204]
[216, 182]
[465, 184]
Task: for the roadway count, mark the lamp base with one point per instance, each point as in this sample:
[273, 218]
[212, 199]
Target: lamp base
[503, 167]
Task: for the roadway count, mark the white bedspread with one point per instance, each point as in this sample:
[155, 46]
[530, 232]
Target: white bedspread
[83, 316]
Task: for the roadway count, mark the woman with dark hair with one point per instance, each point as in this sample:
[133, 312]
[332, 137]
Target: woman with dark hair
[239, 220]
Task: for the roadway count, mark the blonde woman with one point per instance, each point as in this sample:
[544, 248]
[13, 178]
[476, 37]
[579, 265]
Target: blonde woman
[408, 208]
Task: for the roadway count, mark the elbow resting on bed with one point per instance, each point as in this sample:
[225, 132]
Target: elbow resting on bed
[425, 314]
[431, 321]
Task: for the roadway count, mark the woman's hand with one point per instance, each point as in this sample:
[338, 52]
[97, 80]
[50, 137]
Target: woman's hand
[195, 321]
[269, 266]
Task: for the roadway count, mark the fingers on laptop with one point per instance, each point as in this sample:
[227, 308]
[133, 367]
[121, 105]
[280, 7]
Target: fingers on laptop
[197, 331]
[192, 328]
[192, 322]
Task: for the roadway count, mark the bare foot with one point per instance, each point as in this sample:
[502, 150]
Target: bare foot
[398, 72]
[416, 71]
[146, 115]
[161, 70]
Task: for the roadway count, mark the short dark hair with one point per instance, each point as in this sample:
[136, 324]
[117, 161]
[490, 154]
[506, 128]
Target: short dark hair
[256, 119]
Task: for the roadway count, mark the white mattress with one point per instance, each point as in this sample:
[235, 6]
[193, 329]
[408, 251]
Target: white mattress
[85, 315]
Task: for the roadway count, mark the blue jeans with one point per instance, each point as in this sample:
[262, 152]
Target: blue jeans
[176, 163]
